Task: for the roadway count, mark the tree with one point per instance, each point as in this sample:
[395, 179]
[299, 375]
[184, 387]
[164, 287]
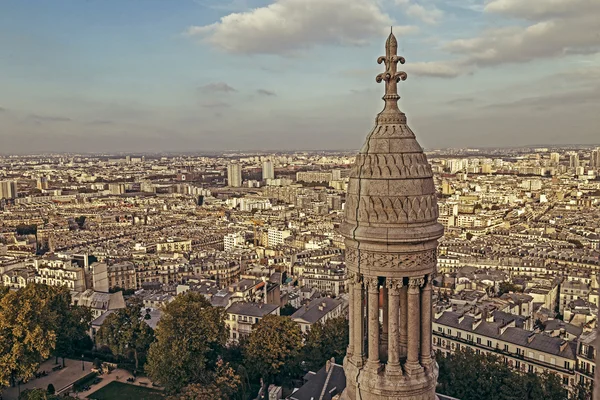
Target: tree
[80, 221]
[224, 384]
[273, 347]
[189, 337]
[41, 394]
[583, 391]
[324, 341]
[125, 331]
[507, 287]
[470, 376]
[288, 310]
[72, 325]
[27, 331]
[23, 230]
[197, 391]
[50, 389]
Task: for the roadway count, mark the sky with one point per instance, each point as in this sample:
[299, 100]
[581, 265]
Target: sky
[210, 75]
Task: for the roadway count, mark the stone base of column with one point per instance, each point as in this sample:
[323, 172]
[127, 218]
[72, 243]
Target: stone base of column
[373, 366]
[426, 362]
[393, 369]
[364, 384]
[413, 368]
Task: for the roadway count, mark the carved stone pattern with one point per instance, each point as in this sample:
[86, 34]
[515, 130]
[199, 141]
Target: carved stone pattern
[416, 282]
[394, 285]
[396, 165]
[371, 282]
[392, 209]
[390, 260]
[392, 131]
[390, 119]
[355, 278]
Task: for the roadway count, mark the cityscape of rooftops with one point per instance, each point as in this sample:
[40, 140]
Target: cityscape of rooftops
[288, 199]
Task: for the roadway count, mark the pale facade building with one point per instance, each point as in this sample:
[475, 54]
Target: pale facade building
[242, 316]
[268, 170]
[234, 174]
[8, 190]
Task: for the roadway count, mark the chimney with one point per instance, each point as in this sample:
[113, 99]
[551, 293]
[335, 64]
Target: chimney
[476, 322]
[531, 337]
[563, 345]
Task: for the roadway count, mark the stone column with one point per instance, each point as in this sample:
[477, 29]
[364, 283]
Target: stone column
[393, 364]
[351, 322]
[383, 346]
[358, 323]
[372, 284]
[403, 321]
[414, 325]
[426, 323]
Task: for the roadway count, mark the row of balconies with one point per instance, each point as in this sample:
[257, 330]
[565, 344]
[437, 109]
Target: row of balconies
[503, 352]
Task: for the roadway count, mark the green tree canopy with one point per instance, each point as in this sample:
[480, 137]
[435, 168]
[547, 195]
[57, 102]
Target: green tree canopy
[189, 336]
[469, 376]
[125, 331]
[28, 325]
[324, 341]
[273, 348]
[40, 394]
[23, 230]
[72, 325]
[35, 322]
[224, 384]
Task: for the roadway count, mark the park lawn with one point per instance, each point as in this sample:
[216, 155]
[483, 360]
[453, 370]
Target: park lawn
[123, 391]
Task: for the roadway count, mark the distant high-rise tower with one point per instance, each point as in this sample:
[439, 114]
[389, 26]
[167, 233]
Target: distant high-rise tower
[234, 174]
[574, 160]
[8, 190]
[555, 158]
[595, 158]
[268, 171]
[42, 183]
[391, 235]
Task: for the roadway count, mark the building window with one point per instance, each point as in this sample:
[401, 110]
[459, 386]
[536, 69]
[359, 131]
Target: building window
[489, 343]
[567, 365]
[478, 340]
[505, 347]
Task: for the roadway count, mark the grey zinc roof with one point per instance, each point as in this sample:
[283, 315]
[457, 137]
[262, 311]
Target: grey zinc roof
[517, 336]
[312, 312]
[314, 389]
[252, 309]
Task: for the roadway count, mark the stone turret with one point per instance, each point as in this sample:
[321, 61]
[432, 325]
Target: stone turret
[391, 234]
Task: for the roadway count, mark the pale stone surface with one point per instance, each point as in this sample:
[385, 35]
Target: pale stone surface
[391, 233]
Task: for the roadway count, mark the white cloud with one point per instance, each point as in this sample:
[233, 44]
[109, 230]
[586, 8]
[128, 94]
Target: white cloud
[217, 87]
[435, 69]
[543, 9]
[555, 29]
[431, 15]
[287, 26]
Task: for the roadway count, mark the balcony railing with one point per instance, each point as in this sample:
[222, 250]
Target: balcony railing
[503, 353]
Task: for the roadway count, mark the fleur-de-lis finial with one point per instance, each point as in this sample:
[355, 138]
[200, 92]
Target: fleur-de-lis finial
[391, 76]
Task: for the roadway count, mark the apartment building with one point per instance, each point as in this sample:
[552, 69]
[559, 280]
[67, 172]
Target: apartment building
[242, 316]
[502, 334]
